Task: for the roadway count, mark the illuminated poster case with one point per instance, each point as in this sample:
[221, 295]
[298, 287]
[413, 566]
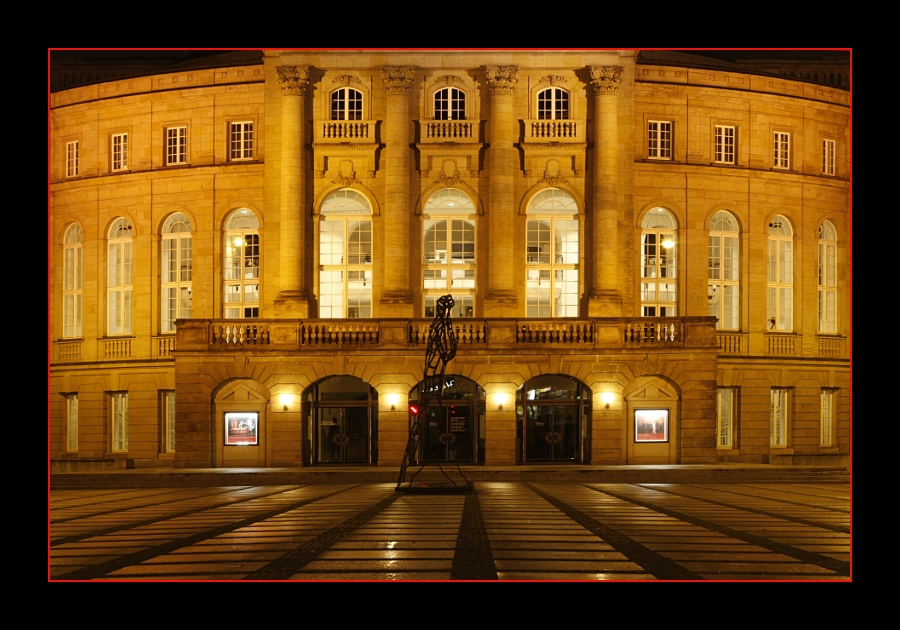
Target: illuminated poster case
[241, 429]
[651, 425]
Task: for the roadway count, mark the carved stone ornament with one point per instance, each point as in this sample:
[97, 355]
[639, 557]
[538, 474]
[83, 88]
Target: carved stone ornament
[501, 79]
[552, 180]
[346, 181]
[554, 80]
[450, 180]
[606, 79]
[398, 79]
[346, 80]
[293, 79]
[449, 79]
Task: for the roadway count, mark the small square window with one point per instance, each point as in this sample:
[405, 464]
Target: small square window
[659, 140]
[828, 157]
[72, 159]
[120, 152]
[725, 136]
[782, 150]
[241, 141]
[176, 145]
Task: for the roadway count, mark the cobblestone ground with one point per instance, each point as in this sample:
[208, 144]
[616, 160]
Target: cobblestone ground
[503, 531]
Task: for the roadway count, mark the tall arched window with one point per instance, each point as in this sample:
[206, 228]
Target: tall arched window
[241, 265]
[723, 285]
[449, 248]
[449, 104]
[177, 245]
[551, 258]
[553, 104]
[659, 264]
[119, 289]
[72, 282]
[346, 104]
[827, 278]
[780, 297]
[345, 255]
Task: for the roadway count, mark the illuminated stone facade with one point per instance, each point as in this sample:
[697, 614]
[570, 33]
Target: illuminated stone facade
[624, 241]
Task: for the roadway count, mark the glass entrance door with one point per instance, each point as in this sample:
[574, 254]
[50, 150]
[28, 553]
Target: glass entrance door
[551, 433]
[553, 420]
[341, 435]
[449, 436]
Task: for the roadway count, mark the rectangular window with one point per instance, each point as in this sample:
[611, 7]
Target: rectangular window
[828, 157]
[827, 417]
[72, 291]
[120, 152]
[241, 141]
[72, 159]
[827, 289]
[120, 288]
[176, 145]
[778, 421]
[72, 422]
[724, 144]
[782, 148]
[169, 421]
[659, 140]
[725, 408]
[120, 421]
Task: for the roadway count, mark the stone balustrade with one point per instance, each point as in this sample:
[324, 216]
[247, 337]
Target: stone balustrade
[346, 131]
[561, 131]
[441, 131]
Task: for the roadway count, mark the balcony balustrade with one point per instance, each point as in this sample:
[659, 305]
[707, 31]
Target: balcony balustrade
[345, 131]
[449, 131]
[555, 131]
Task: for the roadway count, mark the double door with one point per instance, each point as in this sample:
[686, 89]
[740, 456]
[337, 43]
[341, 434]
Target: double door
[341, 435]
[552, 433]
[449, 436]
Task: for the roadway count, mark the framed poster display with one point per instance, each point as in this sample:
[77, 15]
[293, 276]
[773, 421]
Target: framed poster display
[651, 425]
[241, 428]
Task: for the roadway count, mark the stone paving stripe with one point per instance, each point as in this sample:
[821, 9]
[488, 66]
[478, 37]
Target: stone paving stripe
[100, 570]
[293, 561]
[838, 566]
[151, 504]
[656, 564]
[156, 519]
[473, 559]
[841, 529]
[845, 510]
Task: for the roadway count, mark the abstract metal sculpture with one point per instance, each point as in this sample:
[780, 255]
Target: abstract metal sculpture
[439, 352]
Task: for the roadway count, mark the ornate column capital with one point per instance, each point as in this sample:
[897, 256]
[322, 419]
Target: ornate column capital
[293, 79]
[501, 79]
[606, 79]
[398, 79]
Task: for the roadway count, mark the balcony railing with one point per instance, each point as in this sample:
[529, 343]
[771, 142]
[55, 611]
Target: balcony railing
[346, 131]
[781, 344]
[561, 131]
[449, 131]
[730, 343]
[323, 333]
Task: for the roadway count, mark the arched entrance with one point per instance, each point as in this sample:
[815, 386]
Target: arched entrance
[554, 414]
[343, 413]
[454, 433]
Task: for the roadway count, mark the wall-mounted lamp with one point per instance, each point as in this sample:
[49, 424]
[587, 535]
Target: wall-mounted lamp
[285, 400]
[607, 397]
[393, 400]
[501, 399]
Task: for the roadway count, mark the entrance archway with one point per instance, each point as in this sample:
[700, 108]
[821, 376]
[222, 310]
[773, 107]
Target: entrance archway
[553, 425]
[343, 421]
[454, 432]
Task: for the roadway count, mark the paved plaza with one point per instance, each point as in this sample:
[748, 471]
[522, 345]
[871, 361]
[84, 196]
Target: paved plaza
[517, 530]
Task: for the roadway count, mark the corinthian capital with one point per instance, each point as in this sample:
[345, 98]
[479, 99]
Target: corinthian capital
[398, 79]
[501, 79]
[293, 79]
[606, 79]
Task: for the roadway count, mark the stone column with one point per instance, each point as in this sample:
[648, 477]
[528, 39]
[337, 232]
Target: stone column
[500, 299]
[605, 298]
[396, 298]
[293, 297]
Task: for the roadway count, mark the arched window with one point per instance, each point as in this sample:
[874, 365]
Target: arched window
[449, 104]
[119, 289]
[241, 265]
[659, 289]
[345, 255]
[449, 248]
[72, 282]
[780, 298]
[346, 104]
[723, 285]
[177, 245]
[827, 278]
[553, 104]
[551, 258]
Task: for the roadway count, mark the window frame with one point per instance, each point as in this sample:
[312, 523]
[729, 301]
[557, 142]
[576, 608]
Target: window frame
[120, 279]
[780, 281]
[180, 243]
[555, 106]
[118, 152]
[119, 422]
[72, 158]
[241, 147]
[168, 424]
[651, 227]
[781, 150]
[660, 135]
[339, 104]
[725, 412]
[455, 104]
[718, 263]
[72, 282]
[779, 417]
[178, 142]
[554, 208]
[826, 417]
[721, 145]
[250, 252]
[352, 211]
[826, 280]
[459, 256]
[829, 155]
[71, 422]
